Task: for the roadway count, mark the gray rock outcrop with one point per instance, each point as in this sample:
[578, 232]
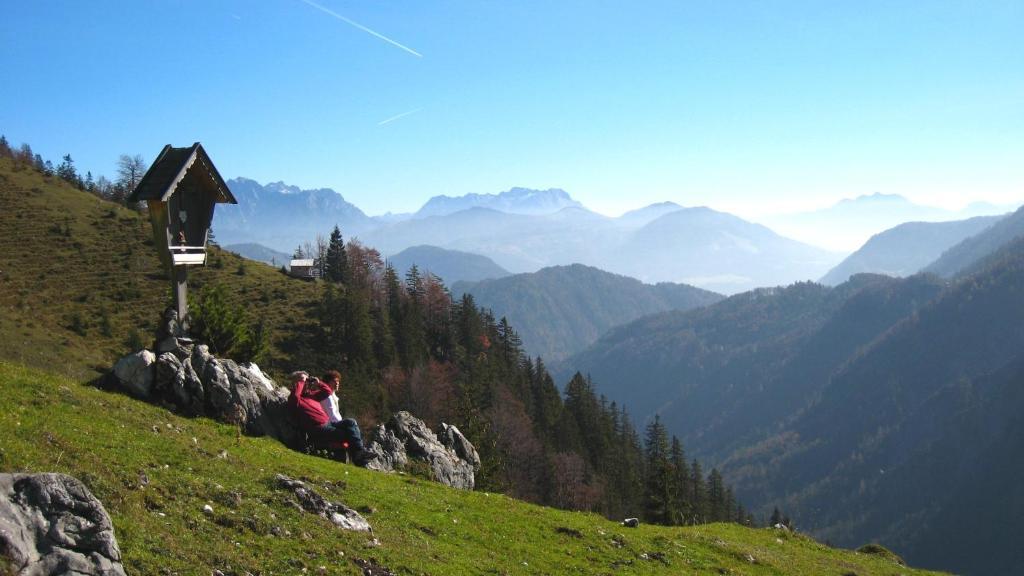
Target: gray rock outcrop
[51, 524]
[135, 372]
[452, 458]
[309, 500]
[196, 383]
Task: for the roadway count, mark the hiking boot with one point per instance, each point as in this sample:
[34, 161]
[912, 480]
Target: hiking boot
[363, 457]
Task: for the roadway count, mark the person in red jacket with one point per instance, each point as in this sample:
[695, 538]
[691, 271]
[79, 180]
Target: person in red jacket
[305, 402]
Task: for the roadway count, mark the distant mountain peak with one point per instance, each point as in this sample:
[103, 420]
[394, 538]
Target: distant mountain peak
[666, 204]
[873, 198]
[515, 200]
[642, 216]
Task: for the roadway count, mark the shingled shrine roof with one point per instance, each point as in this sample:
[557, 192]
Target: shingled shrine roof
[170, 168]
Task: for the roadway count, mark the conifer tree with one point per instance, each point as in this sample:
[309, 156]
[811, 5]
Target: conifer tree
[582, 406]
[659, 504]
[66, 170]
[411, 337]
[547, 403]
[776, 517]
[681, 482]
[700, 495]
[336, 259]
[716, 497]
[632, 456]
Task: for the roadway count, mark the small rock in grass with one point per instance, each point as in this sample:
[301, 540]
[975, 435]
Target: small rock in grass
[207, 509]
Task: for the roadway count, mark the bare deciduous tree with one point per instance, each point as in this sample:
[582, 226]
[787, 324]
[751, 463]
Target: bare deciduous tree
[129, 171]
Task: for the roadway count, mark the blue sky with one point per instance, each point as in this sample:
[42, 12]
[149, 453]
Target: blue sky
[751, 107]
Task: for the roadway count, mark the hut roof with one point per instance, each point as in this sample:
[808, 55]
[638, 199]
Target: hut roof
[300, 263]
[171, 166]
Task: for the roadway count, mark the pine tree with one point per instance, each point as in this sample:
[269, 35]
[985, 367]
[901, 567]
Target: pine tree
[410, 335]
[776, 517]
[547, 403]
[681, 481]
[659, 504]
[716, 497]
[632, 455]
[66, 170]
[509, 342]
[700, 494]
[383, 339]
[335, 259]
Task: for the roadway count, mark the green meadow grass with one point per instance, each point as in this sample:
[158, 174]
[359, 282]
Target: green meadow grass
[154, 471]
[79, 275]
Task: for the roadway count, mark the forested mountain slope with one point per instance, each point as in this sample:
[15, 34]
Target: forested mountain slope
[906, 430]
[975, 248]
[907, 248]
[870, 410]
[562, 309]
[450, 265]
[723, 375]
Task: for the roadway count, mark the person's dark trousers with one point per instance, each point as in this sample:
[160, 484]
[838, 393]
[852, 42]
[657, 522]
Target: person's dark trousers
[345, 431]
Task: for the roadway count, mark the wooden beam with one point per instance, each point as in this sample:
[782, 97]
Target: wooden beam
[181, 293]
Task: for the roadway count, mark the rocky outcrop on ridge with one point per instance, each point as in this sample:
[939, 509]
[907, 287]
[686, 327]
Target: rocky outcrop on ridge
[452, 458]
[186, 377]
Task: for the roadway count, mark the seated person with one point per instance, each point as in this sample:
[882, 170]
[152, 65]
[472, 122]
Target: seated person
[305, 401]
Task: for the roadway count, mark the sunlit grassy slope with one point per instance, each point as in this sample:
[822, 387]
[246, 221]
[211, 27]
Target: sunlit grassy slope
[79, 274]
[155, 471]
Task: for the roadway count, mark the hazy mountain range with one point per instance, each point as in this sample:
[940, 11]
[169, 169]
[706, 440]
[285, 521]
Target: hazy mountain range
[535, 229]
[849, 223]
[260, 253]
[524, 230]
[514, 201]
[282, 217]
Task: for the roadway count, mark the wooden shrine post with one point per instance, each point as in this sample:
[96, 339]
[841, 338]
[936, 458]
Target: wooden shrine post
[182, 187]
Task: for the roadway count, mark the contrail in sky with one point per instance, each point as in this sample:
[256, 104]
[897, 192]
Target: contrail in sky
[397, 116]
[361, 27]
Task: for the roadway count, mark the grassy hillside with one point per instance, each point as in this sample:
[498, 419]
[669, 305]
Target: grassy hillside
[79, 275]
[155, 471]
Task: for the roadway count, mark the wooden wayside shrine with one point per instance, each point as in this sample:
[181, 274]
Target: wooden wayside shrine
[182, 187]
